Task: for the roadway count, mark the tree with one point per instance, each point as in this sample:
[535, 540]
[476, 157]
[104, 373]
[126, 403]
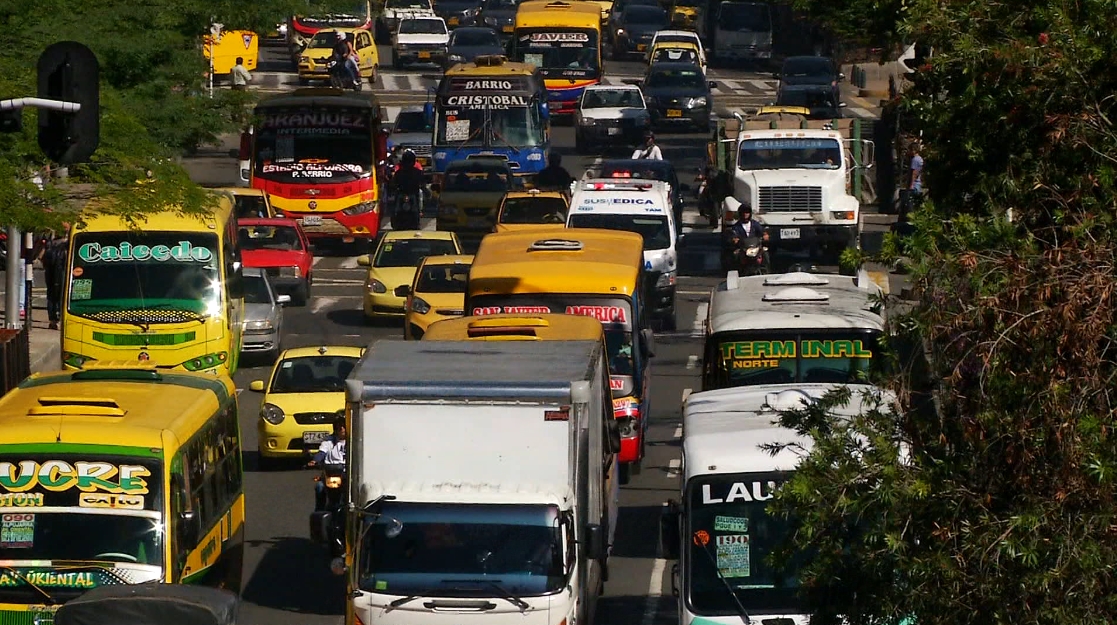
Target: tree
[998, 505]
[153, 107]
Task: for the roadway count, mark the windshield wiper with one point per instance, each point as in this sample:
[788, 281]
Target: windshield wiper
[500, 137]
[20, 576]
[732, 593]
[504, 592]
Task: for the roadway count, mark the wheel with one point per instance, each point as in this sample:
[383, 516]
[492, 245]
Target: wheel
[302, 294]
[669, 323]
[579, 144]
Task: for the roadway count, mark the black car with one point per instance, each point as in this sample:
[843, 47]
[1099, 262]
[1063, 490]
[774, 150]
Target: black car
[458, 12]
[649, 170]
[618, 10]
[635, 29]
[811, 70]
[678, 94]
[469, 42]
[499, 15]
[820, 99]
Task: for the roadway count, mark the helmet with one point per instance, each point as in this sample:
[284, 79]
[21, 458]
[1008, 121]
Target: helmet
[408, 157]
[340, 36]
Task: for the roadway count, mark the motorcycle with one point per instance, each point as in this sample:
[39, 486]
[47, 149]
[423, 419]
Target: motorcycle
[405, 215]
[329, 523]
[340, 78]
[749, 257]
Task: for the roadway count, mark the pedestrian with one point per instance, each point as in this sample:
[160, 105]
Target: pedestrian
[240, 75]
[55, 259]
[914, 191]
[650, 150]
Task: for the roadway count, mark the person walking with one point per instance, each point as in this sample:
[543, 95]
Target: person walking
[55, 259]
[240, 75]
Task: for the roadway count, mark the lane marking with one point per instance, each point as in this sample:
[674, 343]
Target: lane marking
[348, 263]
[322, 302]
[673, 467]
[678, 431]
[655, 589]
[316, 260]
[336, 281]
[692, 361]
[686, 395]
[691, 292]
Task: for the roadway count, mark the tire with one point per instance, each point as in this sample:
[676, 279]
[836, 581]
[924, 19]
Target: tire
[302, 294]
[579, 144]
[669, 323]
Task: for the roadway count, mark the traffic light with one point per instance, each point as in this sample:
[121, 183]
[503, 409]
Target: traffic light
[69, 71]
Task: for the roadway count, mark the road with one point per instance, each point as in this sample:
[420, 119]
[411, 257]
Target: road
[286, 577]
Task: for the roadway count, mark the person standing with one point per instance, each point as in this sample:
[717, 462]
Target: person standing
[240, 75]
[55, 261]
[916, 185]
[650, 151]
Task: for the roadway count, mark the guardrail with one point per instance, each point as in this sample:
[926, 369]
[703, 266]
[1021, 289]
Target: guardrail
[15, 358]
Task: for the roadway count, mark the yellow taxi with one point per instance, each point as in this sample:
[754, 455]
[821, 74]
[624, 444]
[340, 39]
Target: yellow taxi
[684, 14]
[532, 210]
[250, 203]
[391, 268]
[782, 115]
[677, 52]
[313, 61]
[437, 293]
[303, 397]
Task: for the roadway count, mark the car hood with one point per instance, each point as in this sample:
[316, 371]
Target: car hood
[316, 53]
[419, 38]
[443, 301]
[614, 112]
[393, 277]
[675, 92]
[293, 403]
[791, 177]
[270, 258]
[806, 80]
[637, 31]
[258, 312]
[471, 52]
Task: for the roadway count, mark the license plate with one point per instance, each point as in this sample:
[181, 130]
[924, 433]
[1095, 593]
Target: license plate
[312, 220]
[507, 29]
[424, 55]
[311, 438]
[614, 131]
[674, 113]
[789, 233]
[640, 47]
[453, 21]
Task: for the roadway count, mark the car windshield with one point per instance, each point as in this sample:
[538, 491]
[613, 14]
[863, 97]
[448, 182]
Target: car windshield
[408, 252]
[676, 79]
[789, 154]
[474, 38]
[675, 55]
[612, 98]
[407, 4]
[807, 357]
[136, 271]
[410, 122]
[422, 27]
[745, 17]
[477, 179]
[807, 98]
[278, 238]
[534, 210]
[813, 67]
[645, 15]
[312, 374]
[443, 278]
[654, 228]
[248, 206]
[731, 537]
[323, 39]
[256, 290]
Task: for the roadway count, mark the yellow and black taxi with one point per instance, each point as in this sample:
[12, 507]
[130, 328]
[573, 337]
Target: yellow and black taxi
[303, 396]
[532, 209]
[391, 268]
[470, 193]
[315, 59]
[436, 293]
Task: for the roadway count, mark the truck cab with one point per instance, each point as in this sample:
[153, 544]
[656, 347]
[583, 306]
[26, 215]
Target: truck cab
[742, 32]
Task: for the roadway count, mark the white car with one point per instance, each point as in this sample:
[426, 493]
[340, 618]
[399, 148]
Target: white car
[610, 115]
[420, 40]
[682, 36]
[397, 10]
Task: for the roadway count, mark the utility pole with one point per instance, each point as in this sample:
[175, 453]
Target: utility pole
[214, 39]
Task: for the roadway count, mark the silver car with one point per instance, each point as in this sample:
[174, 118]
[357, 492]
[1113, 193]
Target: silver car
[263, 314]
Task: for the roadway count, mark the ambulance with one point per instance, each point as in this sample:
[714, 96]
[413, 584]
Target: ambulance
[644, 207]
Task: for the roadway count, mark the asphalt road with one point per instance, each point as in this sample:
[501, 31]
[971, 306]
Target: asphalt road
[287, 581]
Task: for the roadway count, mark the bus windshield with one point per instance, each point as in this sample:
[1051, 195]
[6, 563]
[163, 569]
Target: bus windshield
[745, 17]
[790, 357]
[145, 277]
[789, 154]
[512, 126]
[461, 550]
[730, 537]
[314, 146]
[560, 53]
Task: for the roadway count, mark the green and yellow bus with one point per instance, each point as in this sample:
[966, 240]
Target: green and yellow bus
[167, 292]
[117, 474]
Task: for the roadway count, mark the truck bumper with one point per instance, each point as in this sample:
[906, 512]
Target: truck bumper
[804, 236]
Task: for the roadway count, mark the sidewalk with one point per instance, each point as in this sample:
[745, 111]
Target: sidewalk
[869, 82]
[45, 344]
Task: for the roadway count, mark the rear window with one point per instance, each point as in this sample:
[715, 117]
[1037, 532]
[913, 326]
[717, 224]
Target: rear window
[409, 252]
[248, 206]
[279, 238]
[477, 180]
[534, 210]
[443, 279]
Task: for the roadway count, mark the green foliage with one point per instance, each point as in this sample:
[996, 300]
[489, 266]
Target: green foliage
[997, 505]
[154, 105]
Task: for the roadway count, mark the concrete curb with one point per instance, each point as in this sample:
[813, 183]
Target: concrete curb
[48, 357]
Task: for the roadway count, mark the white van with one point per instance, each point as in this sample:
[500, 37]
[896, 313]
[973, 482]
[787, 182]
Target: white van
[640, 206]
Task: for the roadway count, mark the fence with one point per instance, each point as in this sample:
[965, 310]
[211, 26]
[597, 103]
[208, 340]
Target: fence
[15, 358]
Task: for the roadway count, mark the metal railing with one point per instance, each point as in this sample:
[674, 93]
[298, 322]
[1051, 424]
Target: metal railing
[15, 357]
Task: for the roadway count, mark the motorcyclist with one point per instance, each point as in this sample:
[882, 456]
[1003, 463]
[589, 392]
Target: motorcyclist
[744, 228]
[554, 176]
[344, 53]
[408, 180]
[331, 453]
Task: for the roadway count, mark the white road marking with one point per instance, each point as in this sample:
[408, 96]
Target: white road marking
[690, 292]
[673, 467]
[321, 303]
[336, 281]
[431, 226]
[686, 394]
[348, 263]
[655, 589]
[762, 85]
[692, 361]
[700, 319]
[316, 260]
[678, 431]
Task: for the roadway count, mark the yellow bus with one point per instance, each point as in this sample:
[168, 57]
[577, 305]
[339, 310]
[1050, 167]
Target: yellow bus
[512, 327]
[562, 39]
[167, 292]
[582, 271]
[117, 474]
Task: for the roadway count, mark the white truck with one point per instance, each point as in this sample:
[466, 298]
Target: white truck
[478, 484]
[396, 11]
[742, 32]
[798, 183]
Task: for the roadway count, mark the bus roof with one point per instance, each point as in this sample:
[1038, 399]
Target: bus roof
[111, 404]
[543, 13]
[168, 220]
[534, 327]
[795, 300]
[320, 97]
[490, 66]
[581, 260]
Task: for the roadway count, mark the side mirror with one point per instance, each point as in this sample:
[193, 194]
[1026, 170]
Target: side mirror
[320, 523]
[841, 77]
[188, 527]
[364, 261]
[669, 531]
[842, 105]
[594, 541]
[713, 84]
[283, 300]
[647, 343]
[256, 386]
[402, 290]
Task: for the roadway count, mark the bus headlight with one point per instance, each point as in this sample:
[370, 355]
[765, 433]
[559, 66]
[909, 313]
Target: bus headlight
[359, 209]
[71, 359]
[420, 306]
[271, 413]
